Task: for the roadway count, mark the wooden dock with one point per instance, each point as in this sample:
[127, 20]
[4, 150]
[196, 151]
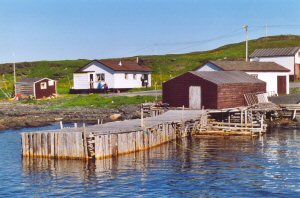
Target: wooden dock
[122, 137]
[110, 139]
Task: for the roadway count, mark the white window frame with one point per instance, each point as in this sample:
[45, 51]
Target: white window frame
[43, 85]
[134, 76]
[100, 77]
[51, 82]
[254, 75]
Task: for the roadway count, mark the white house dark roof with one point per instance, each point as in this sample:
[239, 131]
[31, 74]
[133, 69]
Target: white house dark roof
[249, 66]
[122, 65]
[271, 52]
[227, 77]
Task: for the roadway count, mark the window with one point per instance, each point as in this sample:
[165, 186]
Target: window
[43, 85]
[254, 75]
[51, 82]
[126, 76]
[100, 77]
[134, 76]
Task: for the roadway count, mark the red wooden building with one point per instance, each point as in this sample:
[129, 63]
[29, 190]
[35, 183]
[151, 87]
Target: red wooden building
[213, 90]
[36, 87]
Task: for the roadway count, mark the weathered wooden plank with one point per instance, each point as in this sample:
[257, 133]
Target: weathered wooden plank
[52, 140]
[48, 144]
[114, 144]
[43, 145]
[23, 145]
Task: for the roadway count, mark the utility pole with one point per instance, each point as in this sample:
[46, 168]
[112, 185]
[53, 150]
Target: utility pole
[15, 80]
[246, 30]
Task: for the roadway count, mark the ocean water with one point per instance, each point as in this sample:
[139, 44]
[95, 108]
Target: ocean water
[268, 166]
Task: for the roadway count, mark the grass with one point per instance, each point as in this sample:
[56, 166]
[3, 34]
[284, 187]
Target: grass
[69, 101]
[294, 90]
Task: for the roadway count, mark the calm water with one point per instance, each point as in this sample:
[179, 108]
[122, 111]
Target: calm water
[268, 167]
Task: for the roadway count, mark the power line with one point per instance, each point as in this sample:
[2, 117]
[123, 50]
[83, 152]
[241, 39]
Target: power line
[189, 44]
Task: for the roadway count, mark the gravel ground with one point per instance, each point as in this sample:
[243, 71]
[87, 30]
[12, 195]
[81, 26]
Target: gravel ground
[16, 115]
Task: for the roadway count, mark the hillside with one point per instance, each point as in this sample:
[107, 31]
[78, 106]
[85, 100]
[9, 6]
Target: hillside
[163, 65]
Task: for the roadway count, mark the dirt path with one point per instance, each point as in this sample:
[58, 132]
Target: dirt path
[139, 93]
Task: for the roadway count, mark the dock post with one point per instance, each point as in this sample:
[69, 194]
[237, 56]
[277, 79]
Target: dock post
[294, 114]
[61, 125]
[85, 141]
[182, 112]
[241, 116]
[98, 121]
[261, 124]
[142, 118]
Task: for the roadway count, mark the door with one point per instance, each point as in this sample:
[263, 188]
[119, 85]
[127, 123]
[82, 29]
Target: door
[144, 80]
[91, 81]
[297, 72]
[195, 97]
[281, 85]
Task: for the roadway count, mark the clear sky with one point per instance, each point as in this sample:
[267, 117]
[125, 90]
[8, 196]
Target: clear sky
[95, 29]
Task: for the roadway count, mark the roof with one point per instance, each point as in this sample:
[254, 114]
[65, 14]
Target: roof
[227, 77]
[127, 65]
[30, 80]
[249, 66]
[271, 52]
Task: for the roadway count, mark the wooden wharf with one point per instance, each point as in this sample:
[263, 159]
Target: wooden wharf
[110, 139]
[122, 137]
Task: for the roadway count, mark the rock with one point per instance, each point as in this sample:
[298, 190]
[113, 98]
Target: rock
[2, 127]
[115, 116]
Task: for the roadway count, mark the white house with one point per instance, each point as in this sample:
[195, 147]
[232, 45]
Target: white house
[118, 75]
[287, 57]
[275, 75]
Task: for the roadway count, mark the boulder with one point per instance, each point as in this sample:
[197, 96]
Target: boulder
[115, 116]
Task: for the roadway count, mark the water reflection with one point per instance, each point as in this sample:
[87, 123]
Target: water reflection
[242, 167]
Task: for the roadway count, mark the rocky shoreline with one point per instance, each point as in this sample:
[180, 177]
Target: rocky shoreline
[16, 115]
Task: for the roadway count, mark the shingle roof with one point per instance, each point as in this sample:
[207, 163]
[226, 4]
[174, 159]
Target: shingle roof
[127, 65]
[30, 80]
[270, 52]
[227, 77]
[249, 66]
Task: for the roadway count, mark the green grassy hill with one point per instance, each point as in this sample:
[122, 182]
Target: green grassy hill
[163, 65]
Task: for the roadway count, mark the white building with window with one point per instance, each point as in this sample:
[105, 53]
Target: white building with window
[117, 75]
[275, 75]
[288, 57]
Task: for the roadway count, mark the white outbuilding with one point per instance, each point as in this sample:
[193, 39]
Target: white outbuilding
[288, 57]
[275, 75]
[116, 75]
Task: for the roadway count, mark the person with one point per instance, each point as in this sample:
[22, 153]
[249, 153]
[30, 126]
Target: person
[101, 84]
[105, 87]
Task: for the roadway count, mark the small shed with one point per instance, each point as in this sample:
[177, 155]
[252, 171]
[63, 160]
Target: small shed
[211, 89]
[36, 87]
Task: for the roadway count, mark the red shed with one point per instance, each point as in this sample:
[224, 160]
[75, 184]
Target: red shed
[36, 87]
[211, 89]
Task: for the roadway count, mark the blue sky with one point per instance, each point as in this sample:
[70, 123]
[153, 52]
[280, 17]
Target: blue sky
[95, 29]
